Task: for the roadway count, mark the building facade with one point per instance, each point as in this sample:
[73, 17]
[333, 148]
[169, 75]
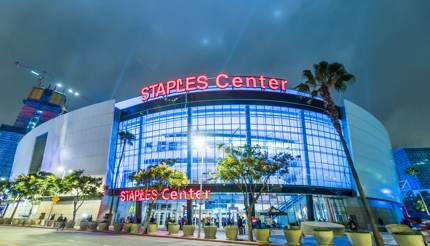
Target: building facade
[318, 185]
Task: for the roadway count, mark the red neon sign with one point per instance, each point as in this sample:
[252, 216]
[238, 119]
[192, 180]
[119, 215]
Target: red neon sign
[166, 194]
[201, 82]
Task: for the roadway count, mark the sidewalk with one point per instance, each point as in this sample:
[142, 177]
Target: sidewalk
[276, 238]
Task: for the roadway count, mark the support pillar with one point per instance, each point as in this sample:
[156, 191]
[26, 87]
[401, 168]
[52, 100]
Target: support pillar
[310, 208]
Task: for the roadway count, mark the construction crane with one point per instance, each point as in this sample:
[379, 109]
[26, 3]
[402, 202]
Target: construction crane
[40, 75]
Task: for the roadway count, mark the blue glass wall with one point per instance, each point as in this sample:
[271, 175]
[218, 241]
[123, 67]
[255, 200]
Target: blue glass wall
[171, 134]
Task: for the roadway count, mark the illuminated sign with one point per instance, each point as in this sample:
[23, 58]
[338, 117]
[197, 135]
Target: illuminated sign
[201, 82]
[166, 194]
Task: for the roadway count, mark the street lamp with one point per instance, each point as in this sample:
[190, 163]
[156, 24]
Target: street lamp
[200, 143]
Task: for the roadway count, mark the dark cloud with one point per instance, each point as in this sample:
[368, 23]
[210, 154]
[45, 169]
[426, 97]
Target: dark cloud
[109, 49]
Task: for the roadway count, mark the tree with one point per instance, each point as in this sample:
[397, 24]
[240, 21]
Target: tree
[22, 188]
[412, 171]
[420, 204]
[250, 168]
[45, 184]
[125, 138]
[158, 177]
[326, 78]
[4, 193]
[81, 188]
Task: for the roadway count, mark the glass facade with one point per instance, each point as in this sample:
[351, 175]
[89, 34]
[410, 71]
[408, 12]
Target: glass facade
[170, 134]
[190, 135]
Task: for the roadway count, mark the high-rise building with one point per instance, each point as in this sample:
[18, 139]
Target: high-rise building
[42, 104]
[9, 138]
[417, 158]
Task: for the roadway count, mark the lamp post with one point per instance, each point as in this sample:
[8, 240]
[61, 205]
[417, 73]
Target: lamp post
[200, 143]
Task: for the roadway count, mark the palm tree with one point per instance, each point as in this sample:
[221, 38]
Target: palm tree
[126, 138]
[325, 78]
[412, 171]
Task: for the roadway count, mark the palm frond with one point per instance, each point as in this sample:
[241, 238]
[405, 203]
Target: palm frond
[303, 87]
[309, 77]
[321, 71]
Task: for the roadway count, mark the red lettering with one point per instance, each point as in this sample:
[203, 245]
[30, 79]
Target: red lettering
[262, 79]
[166, 194]
[145, 94]
[284, 85]
[154, 195]
[160, 90]
[141, 195]
[218, 81]
[198, 195]
[179, 85]
[163, 194]
[273, 84]
[131, 196]
[249, 80]
[122, 195]
[190, 83]
[173, 195]
[191, 191]
[202, 82]
[152, 89]
[148, 195]
[237, 82]
[183, 195]
[171, 84]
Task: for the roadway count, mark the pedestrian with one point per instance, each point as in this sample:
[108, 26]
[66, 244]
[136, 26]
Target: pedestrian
[240, 225]
[62, 224]
[351, 223]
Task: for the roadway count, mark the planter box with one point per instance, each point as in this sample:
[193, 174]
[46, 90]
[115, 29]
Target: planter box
[127, 227]
[189, 230]
[359, 238]
[1, 220]
[293, 236]
[396, 228]
[70, 224]
[152, 228]
[409, 239]
[173, 229]
[103, 226]
[231, 232]
[134, 228]
[27, 222]
[210, 232]
[324, 237]
[93, 226]
[117, 228]
[50, 223]
[83, 226]
[7, 221]
[262, 235]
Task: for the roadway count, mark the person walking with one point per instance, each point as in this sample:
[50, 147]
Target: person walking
[240, 225]
[62, 224]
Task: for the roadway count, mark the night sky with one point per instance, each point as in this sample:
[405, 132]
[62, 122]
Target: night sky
[109, 49]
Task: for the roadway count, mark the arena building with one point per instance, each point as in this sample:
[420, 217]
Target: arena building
[186, 119]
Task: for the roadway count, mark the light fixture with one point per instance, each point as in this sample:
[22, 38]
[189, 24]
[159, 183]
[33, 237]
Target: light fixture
[199, 141]
[70, 90]
[76, 93]
[59, 85]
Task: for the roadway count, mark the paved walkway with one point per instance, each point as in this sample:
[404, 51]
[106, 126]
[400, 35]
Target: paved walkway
[277, 238]
[13, 234]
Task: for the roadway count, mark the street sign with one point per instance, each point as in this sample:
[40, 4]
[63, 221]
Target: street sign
[55, 198]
